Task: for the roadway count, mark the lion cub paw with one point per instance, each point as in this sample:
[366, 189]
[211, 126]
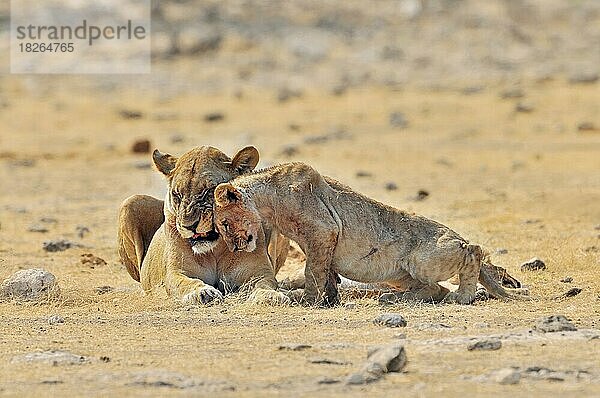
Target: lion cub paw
[457, 297]
[204, 295]
[269, 297]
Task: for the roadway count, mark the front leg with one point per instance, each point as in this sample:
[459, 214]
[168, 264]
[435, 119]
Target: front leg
[191, 290]
[320, 279]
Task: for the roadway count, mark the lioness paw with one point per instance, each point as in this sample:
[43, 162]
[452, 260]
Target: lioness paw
[269, 297]
[457, 297]
[205, 294]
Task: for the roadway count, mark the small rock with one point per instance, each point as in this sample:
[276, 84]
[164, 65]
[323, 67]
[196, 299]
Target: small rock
[316, 139]
[198, 39]
[572, 292]
[388, 298]
[130, 114]
[176, 138]
[391, 186]
[350, 306]
[289, 150]
[399, 336]
[30, 284]
[285, 94]
[82, 231]
[421, 195]
[553, 323]
[214, 117]
[398, 120]
[363, 174]
[506, 376]
[512, 93]
[141, 146]
[535, 264]
[390, 320]
[328, 380]
[142, 165]
[92, 261]
[53, 357]
[326, 361]
[56, 319]
[502, 251]
[524, 107]
[37, 228]
[470, 90]
[294, 347]
[104, 289]
[380, 360]
[586, 126]
[49, 220]
[485, 345]
[583, 78]
[567, 279]
[105, 359]
[58, 245]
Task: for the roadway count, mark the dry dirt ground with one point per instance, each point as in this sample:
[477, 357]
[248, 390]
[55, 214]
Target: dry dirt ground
[527, 182]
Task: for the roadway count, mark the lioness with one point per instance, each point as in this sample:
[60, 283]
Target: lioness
[342, 231]
[181, 249]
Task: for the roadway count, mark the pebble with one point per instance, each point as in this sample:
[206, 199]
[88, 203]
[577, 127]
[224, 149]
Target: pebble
[398, 120]
[285, 94]
[524, 107]
[82, 231]
[391, 320]
[58, 245]
[131, 114]
[535, 264]
[572, 292]
[37, 228]
[553, 323]
[583, 78]
[380, 360]
[512, 93]
[141, 146]
[567, 279]
[294, 347]
[289, 150]
[506, 376]
[56, 319]
[92, 261]
[104, 289]
[485, 345]
[30, 284]
[502, 251]
[421, 195]
[586, 126]
[214, 117]
[391, 186]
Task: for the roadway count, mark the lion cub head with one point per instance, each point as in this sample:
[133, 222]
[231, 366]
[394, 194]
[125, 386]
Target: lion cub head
[192, 179]
[237, 219]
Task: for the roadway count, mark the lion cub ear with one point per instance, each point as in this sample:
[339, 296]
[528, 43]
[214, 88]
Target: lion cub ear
[164, 162]
[226, 194]
[245, 160]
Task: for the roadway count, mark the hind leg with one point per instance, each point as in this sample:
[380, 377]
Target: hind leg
[415, 290]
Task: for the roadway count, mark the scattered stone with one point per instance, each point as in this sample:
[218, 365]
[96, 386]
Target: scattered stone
[390, 320]
[512, 93]
[391, 186]
[130, 114]
[399, 336]
[485, 345]
[294, 127]
[363, 174]
[141, 146]
[542, 373]
[49, 220]
[59, 245]
[159, 378]
[91, 261]
[289, 150]
[23, 162]
[294, 347]
[553, 323]
[470, 90]
[350, 306]
[176, 138]
[592, 249]
[82, 231]
[501, 251]
[433, 326]
[572, 292]
[583, 78]
[535, 264]
[328, 380]
[53, 357]
[587, 127]
[398, 120]
[37, 228]
[326, 361]
[104, 359]
[524, 107]
[567, 279]
[104, 289]
[198, 40]
[285, 94]
[421, 195]
[380, 360]
[30, 284]
[56, 319]
[506, 376]
[214, 117]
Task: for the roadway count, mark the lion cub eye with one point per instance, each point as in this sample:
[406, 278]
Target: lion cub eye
[225, 225]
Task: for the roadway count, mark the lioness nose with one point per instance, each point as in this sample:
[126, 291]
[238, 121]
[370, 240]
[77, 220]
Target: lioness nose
[193, 226]
[250, 237]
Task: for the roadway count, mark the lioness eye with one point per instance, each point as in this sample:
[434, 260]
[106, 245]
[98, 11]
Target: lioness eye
[224, 224]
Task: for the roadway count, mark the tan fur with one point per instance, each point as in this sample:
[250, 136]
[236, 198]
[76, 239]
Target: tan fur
[344, 232]
[154, 235]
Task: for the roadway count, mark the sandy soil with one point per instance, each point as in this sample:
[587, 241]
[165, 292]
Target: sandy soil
[527, 182]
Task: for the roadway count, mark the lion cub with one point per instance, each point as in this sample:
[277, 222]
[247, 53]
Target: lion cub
[342, 231]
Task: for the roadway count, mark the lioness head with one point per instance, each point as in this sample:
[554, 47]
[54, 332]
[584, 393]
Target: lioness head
[237, 220]
[192, 179]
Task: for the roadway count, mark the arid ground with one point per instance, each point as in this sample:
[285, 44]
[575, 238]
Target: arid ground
[510, 163]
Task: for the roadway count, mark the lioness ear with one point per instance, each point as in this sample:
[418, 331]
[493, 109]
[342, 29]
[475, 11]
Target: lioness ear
[245, 160]
[226, 194]
[164, 162]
